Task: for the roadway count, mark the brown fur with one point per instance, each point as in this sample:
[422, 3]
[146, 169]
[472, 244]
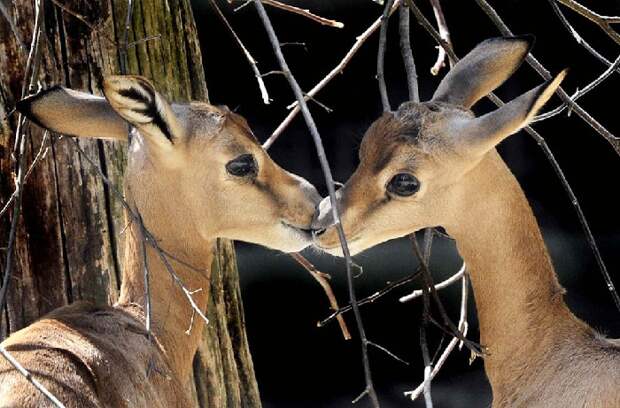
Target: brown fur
[91, 356]
[539, 353]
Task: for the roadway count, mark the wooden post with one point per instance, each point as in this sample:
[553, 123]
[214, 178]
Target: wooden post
[70, 230]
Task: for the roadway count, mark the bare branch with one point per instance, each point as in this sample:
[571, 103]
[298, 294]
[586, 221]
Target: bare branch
[581, 92]
[9, 20]
[444, 33]
[604, 22]
[388, 352]
[372, 298]
[321, 279]
[275, 43]
[385, 100]
[431, 30]
[304, 12]
[84, 21]
[428, 236]
[147, 236]
[444, 356]
[30, 75]
[40, 154]
[576, 35]
[338, 69]
[147, 280]
[248, 56]
[407, 53]
[444, 284]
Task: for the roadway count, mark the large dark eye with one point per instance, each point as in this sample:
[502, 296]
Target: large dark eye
[242, 166]
[403, 184]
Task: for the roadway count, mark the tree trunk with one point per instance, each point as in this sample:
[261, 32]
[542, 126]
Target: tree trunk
[70, 228]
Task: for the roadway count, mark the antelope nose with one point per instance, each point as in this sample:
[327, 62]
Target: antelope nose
[323, 217]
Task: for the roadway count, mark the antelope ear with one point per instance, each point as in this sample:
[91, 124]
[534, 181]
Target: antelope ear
[482, 70]
[485, 132]
[135, 99]
[73, 113]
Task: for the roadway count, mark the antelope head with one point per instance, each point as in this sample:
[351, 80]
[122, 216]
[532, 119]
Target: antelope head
[193, 167]
[414, 162]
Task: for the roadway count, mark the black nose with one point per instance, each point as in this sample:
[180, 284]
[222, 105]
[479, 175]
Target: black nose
[318, 232]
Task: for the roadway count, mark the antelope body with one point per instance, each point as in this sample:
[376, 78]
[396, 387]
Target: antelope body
[195, 173]
[435, 163]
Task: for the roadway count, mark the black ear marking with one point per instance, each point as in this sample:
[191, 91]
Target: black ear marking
[133, 93]
[144, 94]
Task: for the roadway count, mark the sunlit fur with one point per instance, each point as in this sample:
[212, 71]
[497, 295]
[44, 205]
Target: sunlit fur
[101, 356]
[538, 353]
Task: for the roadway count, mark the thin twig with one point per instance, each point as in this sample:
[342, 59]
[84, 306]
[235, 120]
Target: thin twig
[30, 75]
[444, 355]
[275, 43]
[304, 12]
[428, 236]
[123, 49]
[9, 20]
[577, 36]
[407, 53]
[581, 92]
[259, 78]
[30, 378]
[388, 352]
[40, 154]
[444, 33]
[385, 100]
[338, 69]
[147, 235]
[604, 22]
[543, 72]
[146, 277]
[322, 280]
[372, 298]
[84, 21]
[448, 326]
[550, 157]
[443, 284]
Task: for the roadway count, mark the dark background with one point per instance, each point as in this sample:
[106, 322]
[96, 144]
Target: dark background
[300, 365]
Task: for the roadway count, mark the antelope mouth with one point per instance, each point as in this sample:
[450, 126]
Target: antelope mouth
[334, 248]
[305, 232]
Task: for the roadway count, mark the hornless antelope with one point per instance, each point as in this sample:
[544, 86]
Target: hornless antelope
[195, 173]
[435, 163]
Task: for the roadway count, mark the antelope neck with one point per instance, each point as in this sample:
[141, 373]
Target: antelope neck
[171, 312]
[518, 298]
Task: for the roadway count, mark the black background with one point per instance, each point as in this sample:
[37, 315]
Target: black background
[300, 365]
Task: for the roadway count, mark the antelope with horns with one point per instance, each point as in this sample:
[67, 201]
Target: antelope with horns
[435, 164]
[195, 173]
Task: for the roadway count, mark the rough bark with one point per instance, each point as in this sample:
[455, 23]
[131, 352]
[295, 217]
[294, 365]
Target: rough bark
[70, 231]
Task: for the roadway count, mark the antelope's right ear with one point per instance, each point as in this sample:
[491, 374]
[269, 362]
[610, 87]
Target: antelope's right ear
[483, 69]
[135, 99]
[73, 113]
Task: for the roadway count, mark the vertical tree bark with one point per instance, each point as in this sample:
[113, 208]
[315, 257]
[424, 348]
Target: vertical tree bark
[70, 229]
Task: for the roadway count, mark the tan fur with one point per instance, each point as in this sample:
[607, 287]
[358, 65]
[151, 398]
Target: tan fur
[539, 353]
[91, 356]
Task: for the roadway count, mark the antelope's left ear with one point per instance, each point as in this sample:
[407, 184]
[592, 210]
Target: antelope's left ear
[487, 131]
[482, 70]
[135, 99]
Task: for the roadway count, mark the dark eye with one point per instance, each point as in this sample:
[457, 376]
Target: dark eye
[403, 184]
[242, 165]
